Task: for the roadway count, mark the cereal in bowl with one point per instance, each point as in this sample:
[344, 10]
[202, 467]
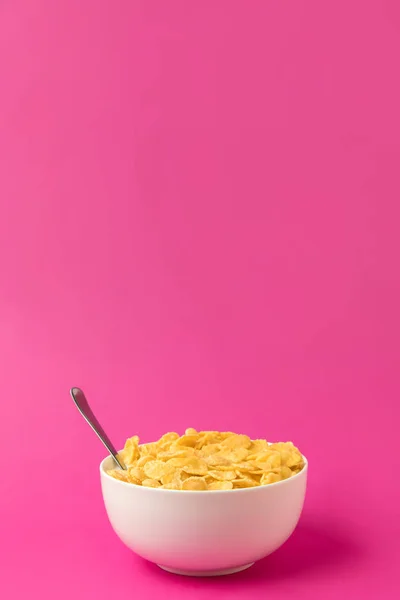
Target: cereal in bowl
[207, 461]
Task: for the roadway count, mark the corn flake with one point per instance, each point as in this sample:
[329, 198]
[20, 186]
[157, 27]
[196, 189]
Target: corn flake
[220, 485]
[151, 483]
[156, 469]
[195, 466]
[174, 485]
[223, 475]
[194, 483]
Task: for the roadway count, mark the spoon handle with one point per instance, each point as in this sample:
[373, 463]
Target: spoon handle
[83, 406]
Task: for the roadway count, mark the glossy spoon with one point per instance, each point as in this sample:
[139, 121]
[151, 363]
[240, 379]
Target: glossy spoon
[83, 406]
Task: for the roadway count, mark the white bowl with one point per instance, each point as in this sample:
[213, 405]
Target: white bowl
[203, 533]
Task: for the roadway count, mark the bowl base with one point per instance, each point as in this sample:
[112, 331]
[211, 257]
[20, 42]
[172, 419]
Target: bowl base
[206, 573]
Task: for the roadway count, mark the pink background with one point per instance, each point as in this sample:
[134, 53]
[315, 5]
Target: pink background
[200, 226]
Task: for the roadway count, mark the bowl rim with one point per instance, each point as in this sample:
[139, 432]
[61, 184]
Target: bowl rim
[250, 490]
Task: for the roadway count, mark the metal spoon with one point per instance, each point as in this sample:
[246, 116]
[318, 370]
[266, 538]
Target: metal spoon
[83, 406]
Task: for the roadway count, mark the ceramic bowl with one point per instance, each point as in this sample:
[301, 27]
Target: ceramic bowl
[203, 533]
